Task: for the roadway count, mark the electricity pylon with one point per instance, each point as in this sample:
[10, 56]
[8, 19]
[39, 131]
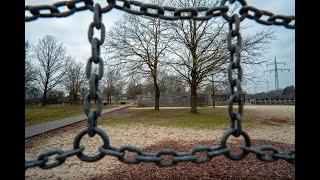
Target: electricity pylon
[276, 69]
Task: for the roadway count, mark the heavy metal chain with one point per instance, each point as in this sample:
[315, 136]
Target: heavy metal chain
[264, 153]
[66, 8]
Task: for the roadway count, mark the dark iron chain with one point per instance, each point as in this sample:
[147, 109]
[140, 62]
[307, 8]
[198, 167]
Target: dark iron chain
[235, 63]
[155, 10]
[270, 154]
[199, 154]
[269, 17]
[261, 152]
[94, 93]
[42, 160]
[133, 7]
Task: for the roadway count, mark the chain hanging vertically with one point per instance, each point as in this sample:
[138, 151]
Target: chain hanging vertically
[235, 83]
[94, 93]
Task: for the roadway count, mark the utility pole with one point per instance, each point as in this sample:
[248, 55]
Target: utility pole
[276, 69]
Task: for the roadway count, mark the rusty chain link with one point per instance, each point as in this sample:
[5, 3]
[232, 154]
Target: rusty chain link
[265, 153]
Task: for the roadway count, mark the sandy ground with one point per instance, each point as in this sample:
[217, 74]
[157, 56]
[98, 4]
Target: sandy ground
[143, 136]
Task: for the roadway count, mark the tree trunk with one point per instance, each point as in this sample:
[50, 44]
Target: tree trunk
[213, 97]
[213, 100]
[156, 94]
[109, 100]
[194, 98]
[44, 98]
[75, 98]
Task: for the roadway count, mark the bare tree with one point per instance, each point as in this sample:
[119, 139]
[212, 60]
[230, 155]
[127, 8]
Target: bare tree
[171, 83]
[138, 44]
[52, 64]
[134, 89]
[113, 84]
[200, 47]
[74, 81]
[212, 84]
[30, 71]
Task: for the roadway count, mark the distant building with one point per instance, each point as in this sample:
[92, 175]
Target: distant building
[181, 99]
[171, 100]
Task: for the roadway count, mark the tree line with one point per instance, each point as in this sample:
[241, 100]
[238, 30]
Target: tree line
[147, 54]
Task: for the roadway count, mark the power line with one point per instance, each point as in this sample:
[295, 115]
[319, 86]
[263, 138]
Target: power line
[276, 69]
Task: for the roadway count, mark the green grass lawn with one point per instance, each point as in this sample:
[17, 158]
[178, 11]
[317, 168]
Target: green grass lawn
[205, 118]
[35, 114]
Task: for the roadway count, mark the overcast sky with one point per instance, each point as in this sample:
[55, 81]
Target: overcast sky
[72, 32]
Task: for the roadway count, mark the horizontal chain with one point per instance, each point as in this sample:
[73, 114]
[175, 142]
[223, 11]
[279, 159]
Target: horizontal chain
[42, 160]
[270, 18]
[140, 156]
[271, 154]
[199, 154]
[155, 10]
[176, 157]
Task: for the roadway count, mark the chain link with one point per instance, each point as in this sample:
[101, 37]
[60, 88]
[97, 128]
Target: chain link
[265, 153]
[158, 11]
[93, 78]
[235, 118]
[42, 160]
[274, 154]
[271, 19]
[175, 157]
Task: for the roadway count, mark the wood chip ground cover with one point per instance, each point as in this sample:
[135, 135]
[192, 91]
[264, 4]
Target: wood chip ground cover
[151, 138]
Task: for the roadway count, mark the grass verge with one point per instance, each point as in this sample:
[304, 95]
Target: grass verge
[205, 118]
[35, 114]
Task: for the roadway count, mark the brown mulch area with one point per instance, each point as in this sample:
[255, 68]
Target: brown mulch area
[218, 168]
[272, 121]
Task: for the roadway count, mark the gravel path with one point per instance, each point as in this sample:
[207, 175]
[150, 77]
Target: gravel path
[141, 136]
